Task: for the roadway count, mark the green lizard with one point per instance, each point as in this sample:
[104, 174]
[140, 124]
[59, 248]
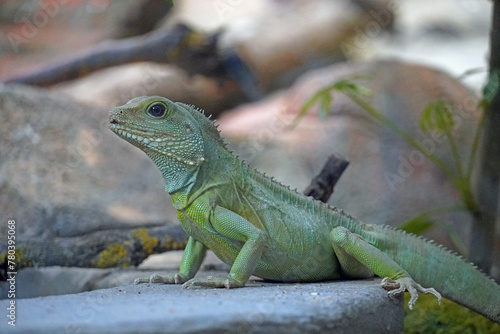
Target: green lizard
[263, 228]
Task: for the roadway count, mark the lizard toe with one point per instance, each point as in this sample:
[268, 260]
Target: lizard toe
[400, 285]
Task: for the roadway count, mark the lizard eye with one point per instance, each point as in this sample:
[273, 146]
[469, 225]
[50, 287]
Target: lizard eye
[157, 110]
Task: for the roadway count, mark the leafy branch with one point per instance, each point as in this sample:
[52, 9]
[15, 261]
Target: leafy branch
[438, 117]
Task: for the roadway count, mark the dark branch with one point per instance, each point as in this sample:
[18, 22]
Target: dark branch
[488, 183]
[182, 46]
[321, 187]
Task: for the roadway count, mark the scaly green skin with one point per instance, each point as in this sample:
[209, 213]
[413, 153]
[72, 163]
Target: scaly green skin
[262, 228]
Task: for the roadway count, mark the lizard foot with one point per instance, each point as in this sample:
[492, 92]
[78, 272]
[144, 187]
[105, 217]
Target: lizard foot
[407, 284]
[213, 282]
[168, 279]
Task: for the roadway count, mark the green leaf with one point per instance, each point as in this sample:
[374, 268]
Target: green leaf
[437, 116]
[423, 222]
[309, 103]
[324, 96]
[492, 87]
[325, 103]
[417, 225]
[349, 87]
[471, 72]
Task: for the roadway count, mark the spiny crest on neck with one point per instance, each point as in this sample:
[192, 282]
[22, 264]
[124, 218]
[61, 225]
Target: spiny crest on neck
[208, 125]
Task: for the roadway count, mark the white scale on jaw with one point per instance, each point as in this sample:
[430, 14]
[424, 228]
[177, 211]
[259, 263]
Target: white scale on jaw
[153, 143]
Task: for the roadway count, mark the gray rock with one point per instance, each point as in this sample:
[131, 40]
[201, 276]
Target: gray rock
[64, 174]
[340, 307]
[53, 281]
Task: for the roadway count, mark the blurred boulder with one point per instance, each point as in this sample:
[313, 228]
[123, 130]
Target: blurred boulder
[64, 173]
[117, 85]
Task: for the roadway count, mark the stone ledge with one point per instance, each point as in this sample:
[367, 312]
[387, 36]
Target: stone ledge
[340, 307]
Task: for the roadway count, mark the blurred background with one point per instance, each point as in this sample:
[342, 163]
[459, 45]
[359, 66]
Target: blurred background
[450, 35]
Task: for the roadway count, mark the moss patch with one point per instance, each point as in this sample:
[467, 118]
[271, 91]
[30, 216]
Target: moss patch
[428, 317]
[172, 245]
[20, 260]
[148, 242]
[114, 255]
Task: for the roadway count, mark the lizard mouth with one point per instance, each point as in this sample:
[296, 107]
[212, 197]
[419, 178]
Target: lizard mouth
[146, 138]
[128, 133]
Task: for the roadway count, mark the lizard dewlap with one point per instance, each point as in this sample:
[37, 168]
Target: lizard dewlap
[263, 228]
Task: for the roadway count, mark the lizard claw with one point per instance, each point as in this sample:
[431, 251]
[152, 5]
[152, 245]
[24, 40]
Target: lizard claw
[403, 284]
[209, 282]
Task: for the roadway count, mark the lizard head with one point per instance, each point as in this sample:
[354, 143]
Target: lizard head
[166, 131]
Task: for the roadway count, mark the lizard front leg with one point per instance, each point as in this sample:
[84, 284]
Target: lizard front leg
[359, 259]
[235, 227]
[192, 258]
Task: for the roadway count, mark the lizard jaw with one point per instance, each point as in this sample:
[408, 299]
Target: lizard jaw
[138, 136]
[147, 140]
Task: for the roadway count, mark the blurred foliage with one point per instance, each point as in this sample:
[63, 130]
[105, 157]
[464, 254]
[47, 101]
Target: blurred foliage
[491, 89]
[437, 118]
[429, 317]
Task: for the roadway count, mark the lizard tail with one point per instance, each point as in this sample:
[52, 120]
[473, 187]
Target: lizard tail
[433, 265]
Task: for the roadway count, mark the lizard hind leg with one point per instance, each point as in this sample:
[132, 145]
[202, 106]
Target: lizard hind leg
[350, 266]
[358, 258]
